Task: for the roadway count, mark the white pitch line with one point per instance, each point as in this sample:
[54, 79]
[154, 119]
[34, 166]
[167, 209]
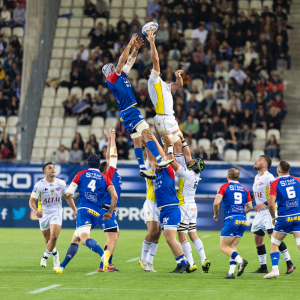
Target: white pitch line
[143, 290]
[45, 289]
[92, 273]
[205, 236]
[134, 259]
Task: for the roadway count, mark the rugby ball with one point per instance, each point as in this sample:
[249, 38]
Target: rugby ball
[149, 26]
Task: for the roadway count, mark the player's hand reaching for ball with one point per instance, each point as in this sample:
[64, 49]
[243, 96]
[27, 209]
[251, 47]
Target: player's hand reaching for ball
[167, 140]
[178, 73]
[133, 38]
[39, 214]
[138, 43]
[150, 36]
[106, 216]
[107, 135]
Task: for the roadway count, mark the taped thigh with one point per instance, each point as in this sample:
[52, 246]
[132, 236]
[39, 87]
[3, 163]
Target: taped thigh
[176, 136]
[141, 127]
[183, 228]
[135, 135]
[79, 231]
[275, 241]
[192, 227]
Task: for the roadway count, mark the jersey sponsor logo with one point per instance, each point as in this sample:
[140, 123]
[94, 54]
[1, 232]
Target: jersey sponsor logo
[237, 209]
[292, 203]
[45, 190]
[58, 189]
[258, 194]
[91, 196]
[93, 213]
[51, 200]
[261, 183]
[288, 182]
[93, 175]
[44, 226]
[131, 125]
[292, 219]
[236, 188]
[240, 222]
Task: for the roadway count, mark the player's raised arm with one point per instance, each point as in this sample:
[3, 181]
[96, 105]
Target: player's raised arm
[179, 82]
[125, 54]
[185, 149]
[154, 53]
[138, 43]
[170, 143]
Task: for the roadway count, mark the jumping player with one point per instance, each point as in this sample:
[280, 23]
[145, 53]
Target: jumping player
[285, 191]
[262, 222]
[49, 192]
[131, 118]
[92, 186]
[236, 204]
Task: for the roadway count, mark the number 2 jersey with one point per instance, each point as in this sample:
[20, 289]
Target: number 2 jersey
[92, 186]
[261, 187]
[235, 197]
[287, 191]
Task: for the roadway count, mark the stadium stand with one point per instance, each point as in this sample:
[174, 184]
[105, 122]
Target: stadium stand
[232, 54]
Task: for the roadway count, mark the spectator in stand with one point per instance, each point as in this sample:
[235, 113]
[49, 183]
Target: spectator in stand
[234, 117]
[249, 56]
[192, 104]
[79, 63]
[3, 45]
[76, 78]
[5, 140]
[199, 35]
[246, 138]
[281, 52]
[162, 36]
[16, 85]
[234, 100]
[189, 142]
[90, 75]
[136, 30]
[197, 69]
[7, 66]
[144, 63]
[62, 155]
[122, 148]
[215, 154]
[201, 154]
[218, 128]
[232, 138]
[180, 113]
[76, 154]
[84, 54]
[110, 37]
[265, 53]
[263, 86]
[103, 143]
[206, 128]
[97, 36]
[102, 9]
[89, 9]
[112, 107]
[78, 140]
[13, 107]
[238, 74]
[280, 105]
[272, 148]
[222, 113]
[213, 44]
[69, 104]
[221, 89]
[191, 127]
[221, 72]
[99, 107]
[248, 103]
[3, 105]
[120, 43]
[5, 86]
[5, 17]
[135, 21]
[19, 15]
[260, 119]
[142, 95]
[208, 105]
[5, 153]
[88, 151]
[248, 117]
[93, 141]
[225, 51]
[153, 8]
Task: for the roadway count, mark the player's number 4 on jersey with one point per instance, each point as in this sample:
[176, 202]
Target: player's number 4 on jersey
[92, 185]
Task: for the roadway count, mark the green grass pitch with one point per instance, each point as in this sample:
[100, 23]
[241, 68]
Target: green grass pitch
[22, 249]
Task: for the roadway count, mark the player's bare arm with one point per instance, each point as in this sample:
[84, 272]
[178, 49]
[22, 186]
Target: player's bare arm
[33, 207]
[216, 206]
[125, 54]
[154, 53]
[260, 207]
[179, 82]
[272, 208]
[186, 149]
[72, 205]
[170, 143]
[248, 207]
[114, 198]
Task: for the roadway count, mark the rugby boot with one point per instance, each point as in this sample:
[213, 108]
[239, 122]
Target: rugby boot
[272, 275]
[290, 268]
[261, 270]
[146, 174]
[229, 276]
[206, 266]
[242, 267]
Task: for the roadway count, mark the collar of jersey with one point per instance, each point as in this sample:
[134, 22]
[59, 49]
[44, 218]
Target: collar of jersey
[284, 176]
[94, 169]
[233, 181]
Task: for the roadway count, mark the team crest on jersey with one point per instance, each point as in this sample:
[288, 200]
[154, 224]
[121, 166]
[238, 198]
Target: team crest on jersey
[165, 220]
[52, 191]
[130, 125]
[261, 183]
[58, 189]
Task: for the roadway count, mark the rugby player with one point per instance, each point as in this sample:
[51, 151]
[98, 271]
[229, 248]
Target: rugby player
[285, 191]
[110, 227]
[236, 204]
[131, 118]
[49, 192]
[262, 222]
[92, 187]
[189, 177]
[162, 99]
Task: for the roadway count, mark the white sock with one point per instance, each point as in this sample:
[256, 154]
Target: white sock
[54, 251]
[46, 254]
[262, 259]
[145, 249]
[286, 255]
[232, 268]
[187, 250]
[151, 253]
[238, 259]
[275, 268]
[199, 247]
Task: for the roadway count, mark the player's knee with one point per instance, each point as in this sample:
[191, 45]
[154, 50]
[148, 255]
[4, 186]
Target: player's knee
[259, 240]
[54, 236]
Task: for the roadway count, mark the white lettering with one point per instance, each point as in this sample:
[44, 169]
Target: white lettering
[134, 213]
[25, 185]
[250, 217]
[123, 212]
[67, 213]
[6, 182]
[4, 213]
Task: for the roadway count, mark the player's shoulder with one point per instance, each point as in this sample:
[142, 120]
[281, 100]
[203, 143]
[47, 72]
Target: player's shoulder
[112, 78]
[60, 182]
[223, 187]
[41, 182]
[269, 176]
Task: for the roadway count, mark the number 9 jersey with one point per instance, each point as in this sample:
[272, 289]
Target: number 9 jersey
[235, 197]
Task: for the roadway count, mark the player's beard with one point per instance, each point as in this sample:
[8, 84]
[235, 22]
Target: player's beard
[257, 168]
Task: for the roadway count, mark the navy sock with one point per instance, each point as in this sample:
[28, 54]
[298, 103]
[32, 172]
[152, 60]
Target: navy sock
[70, 254]
[152, 147]
[93, 245]
[110, 259]
[140, 157]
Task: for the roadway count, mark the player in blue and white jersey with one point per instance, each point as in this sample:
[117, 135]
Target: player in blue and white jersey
[131, 118]
[236, 204]
[285, 191]
[170, 215]
[92, 186]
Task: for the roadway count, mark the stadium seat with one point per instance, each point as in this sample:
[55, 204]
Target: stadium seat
[53, 142]
[198, 83]
[173, 64]
[46, 112]
[58, 43]
[187, 33]
[259, 144]
[150, 121]
[69, 53]
[172, 52]
[255, 4]
[72, 43]
[84, 131]
[6, 31]
[37, 153]
[97, 122]
[65, 74]
[84, 42]
[89, 90]
[60, 32]
[115, 13]
[57, 53]
[207, 92]
[133, 74]
[131, 154]
[62, 22]
[275, 132]
[34, 161]
[77, 12]
[11, 131]
[66, 3]
[111, 122]
[78, 3]
[43, 122]
[62, 92]
[48, 102]
[88, 22]
[129, 3]
[257, 153]
[260, 134]
[11, 121]
[113, 22]
[39, 142]
[141, 12]
[58, 112]
[224, 103]
[2, 121]
[41, 132]
[67, 63]
[67, 142]
[73, 32]
[244, 4]
[98, 132]
[269, 4]
[68, 132]
[127, 12]
[142, 3]
[64, 11]
[53, 74]
[18, 31]
[55, 63]
[75, 22]
[50, 153]
[205, 143]
[85, 32]
[57, 121]
[101, 20]
[244, 155]
[59, 101]
[116, 3]
[189, 42]
[230, 155]
[76, 90]
[55, 132]
[70, 122]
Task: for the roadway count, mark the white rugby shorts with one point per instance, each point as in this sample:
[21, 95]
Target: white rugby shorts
[51, 218]
[262, 220]
[165, 124]
[151, 212]
[189, 213]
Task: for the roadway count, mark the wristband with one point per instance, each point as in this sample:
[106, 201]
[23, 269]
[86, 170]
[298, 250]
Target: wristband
[184, 144]
[113, 151]
[129, 45]
[178, 75]
[274, 218]
[136, 49]
[266, 203]
[170, 149]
